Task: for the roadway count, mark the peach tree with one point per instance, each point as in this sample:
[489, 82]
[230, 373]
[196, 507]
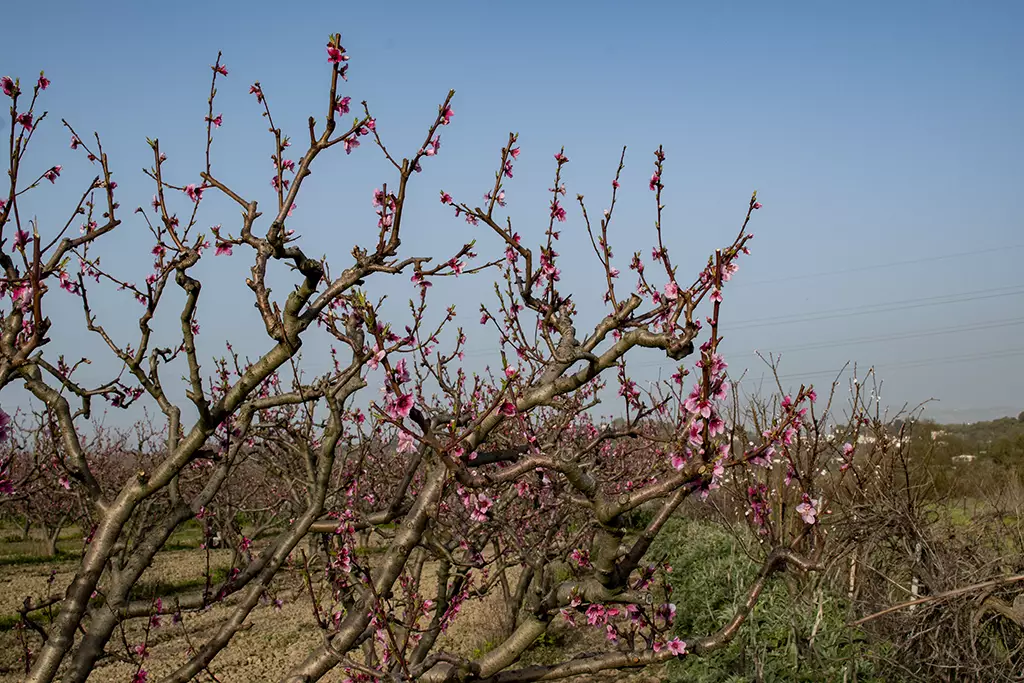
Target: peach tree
[503, 482]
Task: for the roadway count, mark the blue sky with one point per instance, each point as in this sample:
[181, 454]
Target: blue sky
[884, 140]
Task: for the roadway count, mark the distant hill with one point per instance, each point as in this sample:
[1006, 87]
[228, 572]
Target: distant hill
[1000, 440]
[936, 412]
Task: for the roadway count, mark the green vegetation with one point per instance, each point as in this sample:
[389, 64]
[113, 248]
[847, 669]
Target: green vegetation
[786, 638]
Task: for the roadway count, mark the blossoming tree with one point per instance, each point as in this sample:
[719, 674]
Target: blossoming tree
[500, 483]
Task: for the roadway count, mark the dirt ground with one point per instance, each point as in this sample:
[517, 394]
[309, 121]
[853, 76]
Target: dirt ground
[273, 641]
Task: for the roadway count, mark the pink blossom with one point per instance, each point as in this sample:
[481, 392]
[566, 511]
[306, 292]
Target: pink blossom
[672, 291]
[223, 249]
[53, 174]
[401, 372]
[557, 212]
[66, 283]
[508, 408]
[514, 152]
[721, 390]
[446, 116]
[342, 105]
[480, 505]
[220, 69]
[334, 55]
[256, 90]
[511, 371]
[43, 81]
[432, 147]
[376, 358]
[667, 611]
[25, 120]
[445, 198]
[350, 144]
[847, 449]
[655, 180]
[580, 557]
[400, 407]
[596, 614]
[21, 292]
[194, 193]
[716, 426]
[216, 120]
[757, 205]
[677, 647]
[7, 83]
[406, 442]
[808, 510]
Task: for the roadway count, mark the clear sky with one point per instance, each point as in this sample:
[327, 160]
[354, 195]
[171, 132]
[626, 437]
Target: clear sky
[885, 141]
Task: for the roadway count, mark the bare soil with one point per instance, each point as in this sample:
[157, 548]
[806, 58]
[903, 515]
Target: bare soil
[272, 642]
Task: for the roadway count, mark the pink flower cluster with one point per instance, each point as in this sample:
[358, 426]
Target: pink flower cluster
[808, 509]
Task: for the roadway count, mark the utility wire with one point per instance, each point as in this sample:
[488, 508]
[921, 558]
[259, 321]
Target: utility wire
[924, 362]
[906, 304]
[879, 266]
[867, 340]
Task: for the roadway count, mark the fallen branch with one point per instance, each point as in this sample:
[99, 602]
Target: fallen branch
[941, 596]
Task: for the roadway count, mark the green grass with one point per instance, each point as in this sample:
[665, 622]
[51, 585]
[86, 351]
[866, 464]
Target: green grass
[710, 574]
[14, 549]
[27, 559]
[150, 590]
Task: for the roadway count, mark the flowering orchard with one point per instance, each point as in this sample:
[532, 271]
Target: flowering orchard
[502, 483]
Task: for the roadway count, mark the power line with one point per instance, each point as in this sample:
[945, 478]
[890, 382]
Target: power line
[841, 271]
[866, 340]
[868, 309]
[880, 266]
[907, 304]
[924, 362]
[891, 337]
